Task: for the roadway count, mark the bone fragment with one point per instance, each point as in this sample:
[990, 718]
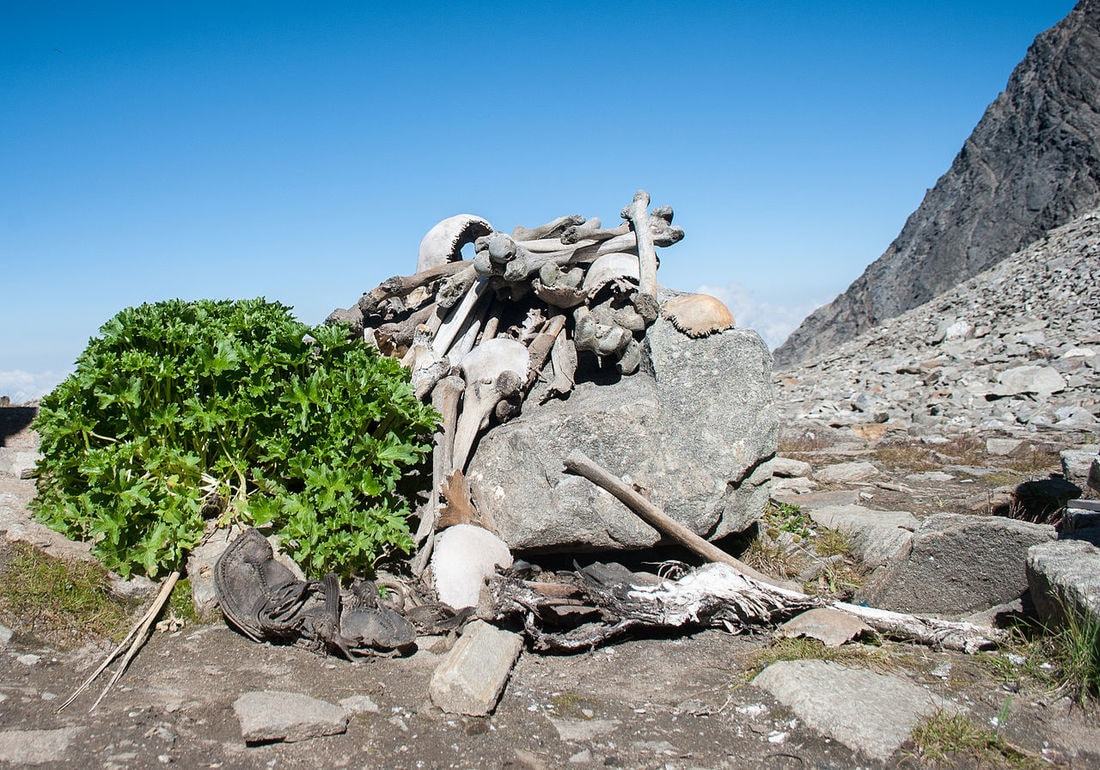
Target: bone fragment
[455, 322]
[444, 242]
[541, 346]
[638, 215]
[564, 358]
[551, 228]
[592, 334]
[492, 370]
[455, 287]
[400, 285]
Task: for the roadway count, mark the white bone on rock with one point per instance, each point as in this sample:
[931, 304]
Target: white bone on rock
[444, 242]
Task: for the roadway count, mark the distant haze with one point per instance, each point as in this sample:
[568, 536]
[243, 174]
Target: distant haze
[150, 151]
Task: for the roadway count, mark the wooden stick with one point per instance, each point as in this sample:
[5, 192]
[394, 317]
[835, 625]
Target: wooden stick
[659, 520]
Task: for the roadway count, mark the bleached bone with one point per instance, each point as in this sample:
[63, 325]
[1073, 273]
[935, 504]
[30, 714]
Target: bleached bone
[698, 315]
[591, 229]
[400, 285]
[455, 287]
[445, 398]
[606, 340]
[400, 334]
[491, 326]
[553, 245]
[560, 288]
[564, 358]
[464, 343]
[541, 346]
[444, 242]
[456, 320]
[551, 228]
[636, 212]
[493, 370]
[616, 269]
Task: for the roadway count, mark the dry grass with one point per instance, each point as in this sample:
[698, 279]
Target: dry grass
[769, 557]
[907, 456]
[1034, 461]
[861, 655]
[60, 602]
[801, 444]
[946, 738]
[832, 542]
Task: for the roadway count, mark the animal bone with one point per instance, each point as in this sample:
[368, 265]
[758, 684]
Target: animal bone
[464, 343]
[638, 216]
[456, 321]
[444, 242]
[492, 370]
[618, 270]
[603, 339]
[396, 336]
[541, 346]
[591, 230]
[400, 285]
[455, 287]
[560, 288]
[551, 228]
[445, 397]
[698, 315]
[564, 358]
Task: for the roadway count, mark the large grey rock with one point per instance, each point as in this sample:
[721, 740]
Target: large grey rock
[36, 747]
[857, 470]
[471, 678]
[1032, 163]
[867, 712]
[1040, 380]
[1064, 573]
[956, 564]
[463, 557]
[692, 428]
[270, 715]
[877, 536]
[1076, 464]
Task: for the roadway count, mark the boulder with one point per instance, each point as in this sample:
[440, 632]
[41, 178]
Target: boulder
[693, 428]
[1076, 464]
[956, 564]
[1064, 573]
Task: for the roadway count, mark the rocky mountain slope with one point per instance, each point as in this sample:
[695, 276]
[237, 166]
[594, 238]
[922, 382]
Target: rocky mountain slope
[1032, 163]
[1017, 347]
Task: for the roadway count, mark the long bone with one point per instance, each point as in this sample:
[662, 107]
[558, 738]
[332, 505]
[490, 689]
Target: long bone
[444, 242]
[551, 228]
[564, 358]
[455, 322]
[493, 370]
[445, 398]
[636, 212]
[663, 235]
[400, 285]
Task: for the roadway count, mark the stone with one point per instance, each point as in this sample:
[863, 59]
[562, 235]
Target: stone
[36, 747]
[877, 536]
[1002, 446]
[867, 712]
[18, 462]
[1040, 380]
[830, 627]
[471, 677]
[358, 704]
[786, 467]
[580, 730]
[955, 564]
[794, 486]
[1094, 476]
[1076, 464]
[693, 428]
[1064, 573]
[463, 557]
[270, 715]
[857, 470]
[929, 476]
[5, 636]
[815, 500]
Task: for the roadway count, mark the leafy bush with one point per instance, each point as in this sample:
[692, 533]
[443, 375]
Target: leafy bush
[179, 411]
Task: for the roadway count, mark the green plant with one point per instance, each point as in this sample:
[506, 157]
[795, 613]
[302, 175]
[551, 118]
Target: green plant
[181, 411]
[180, 603]
[59, 601]
[945, 736]
[832, 542]
[784, 517]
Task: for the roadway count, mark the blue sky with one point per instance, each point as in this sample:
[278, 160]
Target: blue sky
[154, 150]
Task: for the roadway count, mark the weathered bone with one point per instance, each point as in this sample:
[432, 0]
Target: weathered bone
[590, 230]
[444, 242]
[455, 287]
[541, 346]
[698, 315]
[464, 343]
[400, 334]
[456, 321]
[551, 228]
[560, 288]
[492, 370]
[615, 269]
[564, 358]
[638, 215]
[603, 339]
[400, 285]
[445, 398]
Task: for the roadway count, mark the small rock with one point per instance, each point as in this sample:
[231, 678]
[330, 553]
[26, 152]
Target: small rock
[28, 659]
[359, 704]
[817, 500]
[786, 467]
[867, 712]
[929, 477]
[1040, 380]
[859, 470]
[582, 757]
[1002, 446]
[1064, 573]
[36, 747]
[5, 636]
[464, 556]
[1076, 464]
[471, 677]
[270, 715]
[577, 730]
[830, 627]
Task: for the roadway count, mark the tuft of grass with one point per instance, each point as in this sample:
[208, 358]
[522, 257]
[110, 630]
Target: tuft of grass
[801, 648]
[837, 580]
[771, 558]
[802, 443]
[946, 737]
[832, 542]
[1034, 461]
[61, 602]
[907, 456]
[1065, 659]
[180, 603]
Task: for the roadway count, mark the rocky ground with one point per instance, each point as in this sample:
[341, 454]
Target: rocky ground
[1015, 349]
[708, 699]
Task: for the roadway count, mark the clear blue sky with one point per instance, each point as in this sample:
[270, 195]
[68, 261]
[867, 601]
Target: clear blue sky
[152, 150]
